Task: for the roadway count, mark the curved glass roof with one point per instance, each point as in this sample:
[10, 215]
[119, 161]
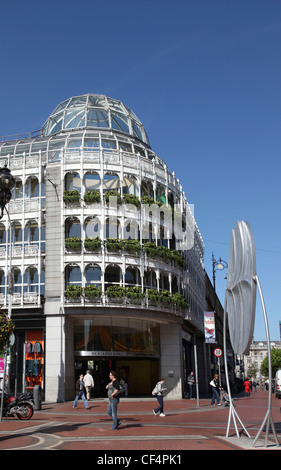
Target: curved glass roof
[94, 111]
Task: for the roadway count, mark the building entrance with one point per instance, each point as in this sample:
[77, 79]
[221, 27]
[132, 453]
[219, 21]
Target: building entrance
[139, 375]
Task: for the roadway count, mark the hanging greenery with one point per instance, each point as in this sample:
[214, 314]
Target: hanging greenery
[114, 244]
[132, 246]
[6, 329]
[92, 244]
[71, 197]
[73, 243]
[92, 196]
[112, 193]
[73, 292]
[92, 292]
[131, 199]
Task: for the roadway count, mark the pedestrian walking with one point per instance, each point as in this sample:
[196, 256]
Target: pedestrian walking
[89, 384]
[215, 387]
[112, 392]
[190, 383]
[80, 392]
[160, 397]
[247, 386]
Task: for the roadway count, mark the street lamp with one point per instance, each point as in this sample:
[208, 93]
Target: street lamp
[7, 182]
[219, 265]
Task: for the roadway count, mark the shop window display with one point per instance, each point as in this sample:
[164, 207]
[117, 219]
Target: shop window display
[34, 354]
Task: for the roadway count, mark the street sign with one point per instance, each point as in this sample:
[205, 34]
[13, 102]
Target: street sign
[218, 352]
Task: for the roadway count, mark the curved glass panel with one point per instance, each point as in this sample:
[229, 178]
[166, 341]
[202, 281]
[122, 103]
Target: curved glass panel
[97, 118]
[74, 118]
[94, 111]
[119, 122]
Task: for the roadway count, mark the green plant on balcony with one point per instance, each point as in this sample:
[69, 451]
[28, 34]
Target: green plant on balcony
[179, 300]
[71, 197]
[92, 243]
[134, 293]
[92, 196]
[112, 193]
[114, 244]
[165, 297]
[92, 292]
[153, 295]
[115, 292]
[131, 199]
[178, 258]
[132, 246]
[151, 249]
[163, 252]
[147, 200]
[73, 243]
[73, 292]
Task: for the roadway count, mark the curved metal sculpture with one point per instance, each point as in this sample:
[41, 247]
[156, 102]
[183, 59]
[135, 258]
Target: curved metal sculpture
[240, 303]
[241, 288]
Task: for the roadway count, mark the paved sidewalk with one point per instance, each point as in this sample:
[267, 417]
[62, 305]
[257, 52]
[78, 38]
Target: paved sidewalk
[185, 427]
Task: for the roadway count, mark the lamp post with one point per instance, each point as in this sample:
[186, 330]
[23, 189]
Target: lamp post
[7, 182]
[219, 265]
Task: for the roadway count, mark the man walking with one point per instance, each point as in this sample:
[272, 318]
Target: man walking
[112, 391]
[89, 384]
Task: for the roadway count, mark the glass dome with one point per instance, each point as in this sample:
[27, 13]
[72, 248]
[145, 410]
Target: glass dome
[94, 111]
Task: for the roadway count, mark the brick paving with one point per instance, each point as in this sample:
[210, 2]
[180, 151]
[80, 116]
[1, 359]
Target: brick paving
[185, 427]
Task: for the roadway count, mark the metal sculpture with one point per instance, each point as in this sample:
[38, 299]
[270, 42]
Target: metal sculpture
[240, 305]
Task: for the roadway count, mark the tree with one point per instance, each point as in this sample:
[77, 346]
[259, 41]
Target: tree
[275, 362]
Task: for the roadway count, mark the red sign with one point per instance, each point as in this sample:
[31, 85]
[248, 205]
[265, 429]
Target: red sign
[218, 352]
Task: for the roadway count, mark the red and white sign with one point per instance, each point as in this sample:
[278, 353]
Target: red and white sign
[218, 352]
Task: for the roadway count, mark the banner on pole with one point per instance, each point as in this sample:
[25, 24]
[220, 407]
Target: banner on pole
[209, 327]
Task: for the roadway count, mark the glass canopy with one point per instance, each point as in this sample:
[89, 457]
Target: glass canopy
[94, 111]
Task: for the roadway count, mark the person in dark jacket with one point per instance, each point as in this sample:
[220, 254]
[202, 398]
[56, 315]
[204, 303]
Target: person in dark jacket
[80, 392]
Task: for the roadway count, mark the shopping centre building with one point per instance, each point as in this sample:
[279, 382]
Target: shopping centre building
[107, 259]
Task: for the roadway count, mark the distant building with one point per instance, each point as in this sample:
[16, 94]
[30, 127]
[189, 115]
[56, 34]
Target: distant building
[257, 353]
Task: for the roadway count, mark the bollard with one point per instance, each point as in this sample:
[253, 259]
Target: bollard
[37, 397]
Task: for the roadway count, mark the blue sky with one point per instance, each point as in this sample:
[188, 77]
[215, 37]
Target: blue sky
[204, 78]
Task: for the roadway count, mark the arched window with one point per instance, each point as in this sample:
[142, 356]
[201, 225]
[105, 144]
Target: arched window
[17, 280]
[149, 279]
[111, 182]
[92, 227]
[130, 185]
[72, 182]
[132, 276]
[112, 275]
[93, 274]
[72, 227]
[147, 188]
[32, 187]
[31, 232]
[16, 232]
[17, 191]
[73, 275]
[164, 282]
[131, 230]
[112, 227]
[31, 280]
[92, 181]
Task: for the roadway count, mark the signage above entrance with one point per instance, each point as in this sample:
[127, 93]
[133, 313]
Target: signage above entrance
[114, 354]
